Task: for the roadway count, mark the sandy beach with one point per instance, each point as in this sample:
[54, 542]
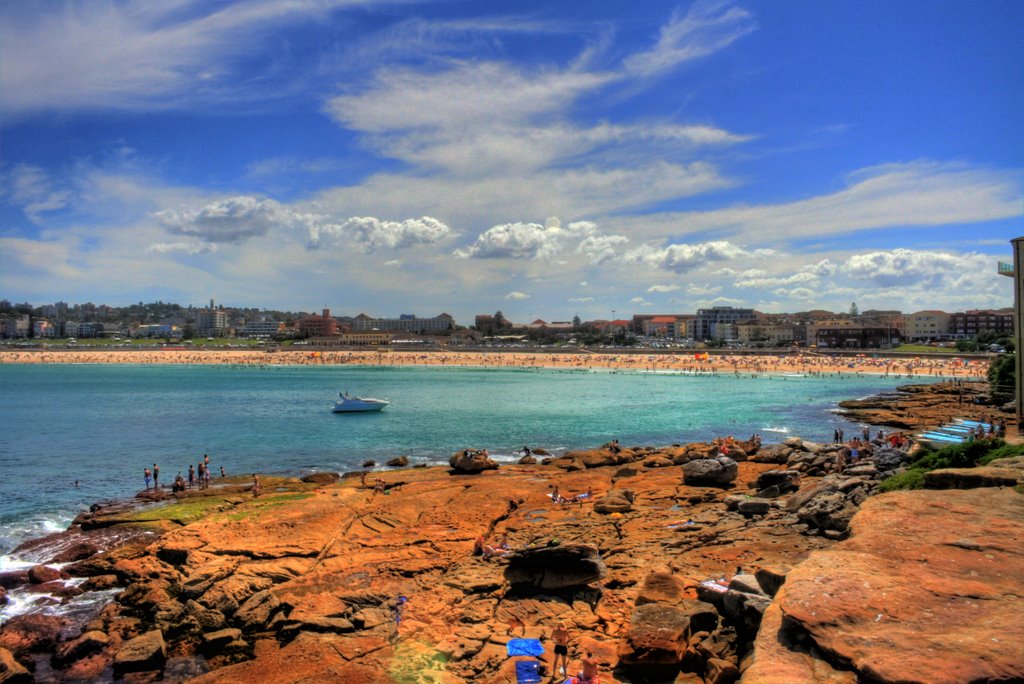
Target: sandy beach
[685, 362]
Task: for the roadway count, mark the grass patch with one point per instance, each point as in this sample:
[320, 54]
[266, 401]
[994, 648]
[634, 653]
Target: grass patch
[268, 502]
[1005, 451]
[181, 512]
[925, 349]
[909, 479]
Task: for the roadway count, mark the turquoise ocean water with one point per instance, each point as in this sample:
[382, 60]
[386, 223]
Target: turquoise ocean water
[102, 424]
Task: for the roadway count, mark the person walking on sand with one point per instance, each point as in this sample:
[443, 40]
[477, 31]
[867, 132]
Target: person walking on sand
[156, 476]
[147, 475]
[561, 639]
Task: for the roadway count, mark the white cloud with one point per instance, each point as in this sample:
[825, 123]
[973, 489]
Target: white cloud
[640, 301]
[517, 295]
[229, 220]
[190, 248]
[140, 55]
[681, 258]
[237, 219]
[920, 193]
[525, 240]
[693, 289]
[576, 300]
[810, 273]
[375, 234]
[33, 190]
[601, 248]
[662, 288]
[706, 28]
[918, 268]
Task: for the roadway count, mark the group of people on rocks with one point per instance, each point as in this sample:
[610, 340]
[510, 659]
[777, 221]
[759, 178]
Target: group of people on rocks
[204, 470]
[557, 497]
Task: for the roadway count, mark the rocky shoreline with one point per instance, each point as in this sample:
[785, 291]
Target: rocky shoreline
[686, 563]
[918, 407]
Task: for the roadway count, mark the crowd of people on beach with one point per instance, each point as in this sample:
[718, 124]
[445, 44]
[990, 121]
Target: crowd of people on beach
[756, 365]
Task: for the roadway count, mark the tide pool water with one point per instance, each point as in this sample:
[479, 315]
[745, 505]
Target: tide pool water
[100, 425]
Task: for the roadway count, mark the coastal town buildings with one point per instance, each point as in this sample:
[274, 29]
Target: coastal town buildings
[441, 323]
[16, 327]
[766, 332]
[263, 328]
[711, 324]
[318, 325]
[968, 324]
[211, 322]
[930, 324]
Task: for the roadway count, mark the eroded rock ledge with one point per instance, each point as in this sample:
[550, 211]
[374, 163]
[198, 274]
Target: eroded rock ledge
[927, 589]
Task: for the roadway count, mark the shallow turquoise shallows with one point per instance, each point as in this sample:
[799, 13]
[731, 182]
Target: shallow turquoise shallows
[102, 424]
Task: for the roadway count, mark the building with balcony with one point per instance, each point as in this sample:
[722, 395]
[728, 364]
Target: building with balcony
[440, 324]
[930, 324]
[710, 324]
[857, 337]
[766, 332]
[211, 322]
[968, 324]
[266, 328]
[16, 327]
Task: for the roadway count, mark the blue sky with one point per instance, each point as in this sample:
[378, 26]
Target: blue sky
[417, 157]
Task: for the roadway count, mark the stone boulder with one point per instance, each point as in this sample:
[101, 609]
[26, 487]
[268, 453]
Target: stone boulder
[141, 654]
[87, 644]
[528, 460]
[661, 586]
[470, 463]
[75, 552]
[257, 611]
[13, 578]
[970, 478]
[321, 478]
[832, 511]
[615, 501]
[783, 480]
[750, 507]
[555, 567]
[398, 462]
[710, 471]
[32, 633]
[659, 633]
[776, 453]
[40, 574]
[11, 671]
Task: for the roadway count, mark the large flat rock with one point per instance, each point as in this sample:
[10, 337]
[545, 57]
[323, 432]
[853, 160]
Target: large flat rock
[928, 589]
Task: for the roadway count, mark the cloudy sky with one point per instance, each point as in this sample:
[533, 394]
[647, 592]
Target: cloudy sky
[545, 159]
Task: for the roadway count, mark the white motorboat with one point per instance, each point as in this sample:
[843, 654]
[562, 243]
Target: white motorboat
[350, 404]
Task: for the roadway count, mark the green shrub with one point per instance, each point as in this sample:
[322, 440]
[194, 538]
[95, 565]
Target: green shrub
[1005, 451]
[909, 479]
[965, 455]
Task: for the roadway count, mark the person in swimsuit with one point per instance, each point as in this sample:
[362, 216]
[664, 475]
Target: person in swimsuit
[561, 638]
[191, 476]
[255, 485]
[147, 475]
[156, 476]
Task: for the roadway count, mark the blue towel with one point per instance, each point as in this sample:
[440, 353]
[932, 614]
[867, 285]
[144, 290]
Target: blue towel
[524, 647]
[526, 672]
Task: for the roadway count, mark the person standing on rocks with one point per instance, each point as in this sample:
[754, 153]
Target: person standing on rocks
[147, 475]
[156, 476]
[397, 612]
[561, 639]
[191, 476]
